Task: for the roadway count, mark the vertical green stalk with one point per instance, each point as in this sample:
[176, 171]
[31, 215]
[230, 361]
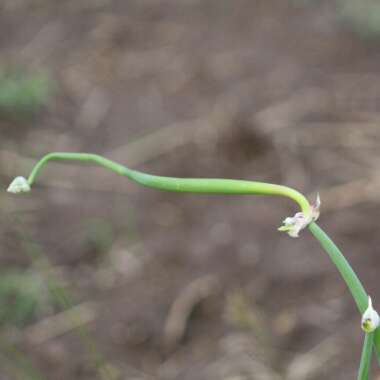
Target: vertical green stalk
[365, 360]
[349, 276]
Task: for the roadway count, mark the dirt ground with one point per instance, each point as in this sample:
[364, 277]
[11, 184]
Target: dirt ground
[179, 286]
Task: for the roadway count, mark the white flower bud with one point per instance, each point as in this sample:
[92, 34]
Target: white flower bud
[19, 185]
[370, 318]
[293, 225]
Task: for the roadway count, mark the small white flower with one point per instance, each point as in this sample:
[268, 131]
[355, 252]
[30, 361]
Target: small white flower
[19, 185]
[293, 225]
[370, 318]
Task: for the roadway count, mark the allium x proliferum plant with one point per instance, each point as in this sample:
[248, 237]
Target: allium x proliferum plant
[305, 218]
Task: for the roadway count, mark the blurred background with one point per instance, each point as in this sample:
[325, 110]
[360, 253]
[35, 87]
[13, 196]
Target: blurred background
[103, 279]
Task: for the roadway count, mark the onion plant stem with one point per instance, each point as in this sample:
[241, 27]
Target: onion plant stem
[349, 276]
[230, 186]
[365, 360]
[185, 185]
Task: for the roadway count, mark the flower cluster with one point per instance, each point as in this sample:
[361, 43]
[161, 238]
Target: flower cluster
[293, 225]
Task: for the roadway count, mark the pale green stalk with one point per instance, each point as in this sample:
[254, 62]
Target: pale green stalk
[183, 185]
[349, 276]
[365, 360]
[229, 186]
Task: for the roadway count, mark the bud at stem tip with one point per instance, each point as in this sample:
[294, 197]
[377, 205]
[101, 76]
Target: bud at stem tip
[19, 185]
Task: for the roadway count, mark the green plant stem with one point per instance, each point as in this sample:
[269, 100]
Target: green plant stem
[365, 359]
[349, 276]
[228, 186]
[185, 185]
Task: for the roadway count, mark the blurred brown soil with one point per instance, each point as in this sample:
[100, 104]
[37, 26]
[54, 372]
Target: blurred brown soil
[259, 90]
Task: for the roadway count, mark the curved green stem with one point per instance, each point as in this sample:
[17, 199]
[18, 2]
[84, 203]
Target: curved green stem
[349, 276]
[185, 185]
[229, 186]
[365, 360]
